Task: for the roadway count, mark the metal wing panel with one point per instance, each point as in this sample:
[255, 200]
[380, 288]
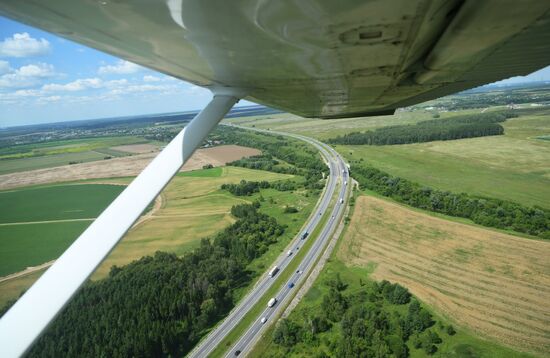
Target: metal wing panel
[310, 57]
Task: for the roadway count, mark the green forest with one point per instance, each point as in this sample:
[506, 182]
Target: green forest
[377, 321]
[484, 211]
[161, 305]
[245, 188]
[465, 126]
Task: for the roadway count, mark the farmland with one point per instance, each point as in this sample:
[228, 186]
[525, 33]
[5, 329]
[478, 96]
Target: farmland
[38, 224]
[194, 207]
[56, 153]
[356, 280]
[493, 284]
[513, 166]
[65, 146]
[119, 167]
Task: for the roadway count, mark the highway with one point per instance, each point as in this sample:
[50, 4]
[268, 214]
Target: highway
[336, 178]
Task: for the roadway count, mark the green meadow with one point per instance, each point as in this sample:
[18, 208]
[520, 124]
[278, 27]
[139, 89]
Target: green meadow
[38, 224]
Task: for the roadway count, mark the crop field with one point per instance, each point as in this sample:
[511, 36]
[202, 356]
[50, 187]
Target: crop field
[38, 224]
[203, 173]
[327, 128]
[125, 166]
[513, 166]
[493, 284]
[66, 146]
[192, 207]
[23, 164]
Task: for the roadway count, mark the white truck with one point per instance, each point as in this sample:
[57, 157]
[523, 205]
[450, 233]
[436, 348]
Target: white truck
[273, 271]
[272, 302]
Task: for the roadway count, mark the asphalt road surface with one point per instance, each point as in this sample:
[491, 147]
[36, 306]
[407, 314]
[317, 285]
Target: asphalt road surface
[338, 175]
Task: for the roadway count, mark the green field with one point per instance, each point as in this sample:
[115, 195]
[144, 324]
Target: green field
[57, 202]
[513, 166]
[18, 165]
[22, 246]
[30, 231]
[57, 153]
[203, 173]
[66, 146]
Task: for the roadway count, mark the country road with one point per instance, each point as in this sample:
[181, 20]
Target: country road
[338, 176]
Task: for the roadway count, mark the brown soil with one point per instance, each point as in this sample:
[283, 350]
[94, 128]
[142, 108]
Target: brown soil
[121, 167]
[495, 284]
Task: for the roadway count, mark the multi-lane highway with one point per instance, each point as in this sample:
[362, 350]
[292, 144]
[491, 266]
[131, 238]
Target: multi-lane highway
[337, 178]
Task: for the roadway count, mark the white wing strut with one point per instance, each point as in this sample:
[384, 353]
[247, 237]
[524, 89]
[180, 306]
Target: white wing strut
[28, 318]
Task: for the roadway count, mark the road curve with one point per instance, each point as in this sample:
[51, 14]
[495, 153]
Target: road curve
[338, 170]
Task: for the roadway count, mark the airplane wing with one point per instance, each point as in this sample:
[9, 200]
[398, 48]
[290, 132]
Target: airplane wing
[314, 58]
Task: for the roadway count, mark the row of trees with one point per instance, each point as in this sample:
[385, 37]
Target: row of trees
[161, 305]
[245, 188]
[279, 154]
[467, 126]
[490, 212]
[364, 324]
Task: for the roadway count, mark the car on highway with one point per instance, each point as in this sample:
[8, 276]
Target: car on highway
[289, 253]
[237, 353]
[273, 271]
[290, 285]
[272, 302]
[263, 320]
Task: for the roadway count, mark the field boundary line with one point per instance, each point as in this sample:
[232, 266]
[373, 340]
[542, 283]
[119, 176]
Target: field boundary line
[46, 222]
[27, 271]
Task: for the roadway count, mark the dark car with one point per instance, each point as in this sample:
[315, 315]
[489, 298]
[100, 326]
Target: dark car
[237, 353]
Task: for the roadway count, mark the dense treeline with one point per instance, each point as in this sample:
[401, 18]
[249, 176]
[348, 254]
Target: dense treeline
[490, 212]
[466, 126]
[368, 323]
[161, 305]
[298, 158]
[245, 188]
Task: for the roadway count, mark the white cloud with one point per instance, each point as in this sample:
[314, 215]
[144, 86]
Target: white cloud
[78, 85]
[141, 88]
[49, 99]
[84, 84]
[26, 76]
[27, 93]
[23, 45]
[5, 67]
[149, 78]
[122, 67]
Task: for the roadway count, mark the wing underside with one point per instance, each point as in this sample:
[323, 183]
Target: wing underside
[315, 58]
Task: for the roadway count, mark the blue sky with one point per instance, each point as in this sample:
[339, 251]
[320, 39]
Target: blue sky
[45, 78]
